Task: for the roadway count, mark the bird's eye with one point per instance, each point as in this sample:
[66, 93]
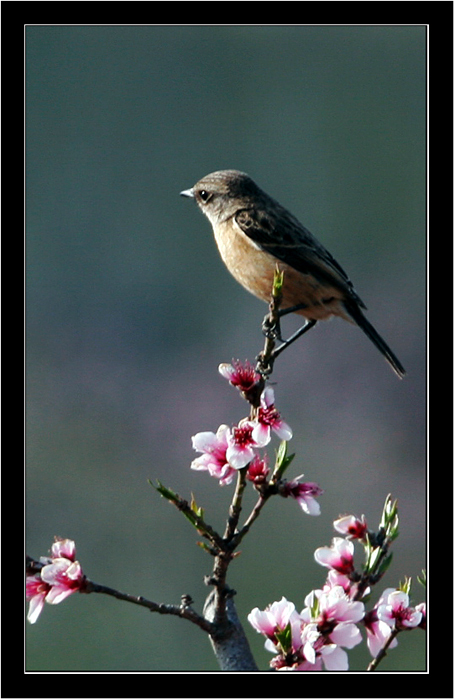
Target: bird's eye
[204, 195]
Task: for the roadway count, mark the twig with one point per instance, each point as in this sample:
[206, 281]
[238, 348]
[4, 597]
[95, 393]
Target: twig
[198, 521]
[236, 506]
[374, 664]
[184, 610]
[271, 326]
[250, 520]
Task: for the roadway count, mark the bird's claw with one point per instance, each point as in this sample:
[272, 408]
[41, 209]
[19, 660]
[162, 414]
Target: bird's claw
[271, 329]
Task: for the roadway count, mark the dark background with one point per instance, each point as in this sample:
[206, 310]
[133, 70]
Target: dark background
[130, 311]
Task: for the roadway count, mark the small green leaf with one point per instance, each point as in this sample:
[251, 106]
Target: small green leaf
[423, 579]
[195, 508]
[389, 513]
[385, 564]
[278, 280]
[207, 548]
[284, 638]
[283, 460]
[166, 492]
[406, 585]
[314, 607]
[187, 510]
[372, 561]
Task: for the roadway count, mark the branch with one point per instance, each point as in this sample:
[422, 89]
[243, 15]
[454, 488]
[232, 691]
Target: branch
[229, 642]
[271, 328]
[250, 520]
[374, 664]
[236, 506]
[184, 610]
[189, 512]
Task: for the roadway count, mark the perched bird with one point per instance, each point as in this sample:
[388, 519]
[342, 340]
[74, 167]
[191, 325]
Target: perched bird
[254, 233]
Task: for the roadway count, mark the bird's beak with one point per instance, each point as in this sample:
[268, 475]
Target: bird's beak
[187, 193]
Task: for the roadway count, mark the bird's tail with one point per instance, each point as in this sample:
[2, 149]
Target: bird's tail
[357, 316]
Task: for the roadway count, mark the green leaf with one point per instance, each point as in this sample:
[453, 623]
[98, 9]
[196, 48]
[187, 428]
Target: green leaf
[283, 460]
[385, 564]
[207, 548]
[187, 510]
[372, 560]
[278, 280]
[195, 508]
[423, 579]
[284, 638]
[166, 492]
[314, 606]
[406, 585]
[389, 514]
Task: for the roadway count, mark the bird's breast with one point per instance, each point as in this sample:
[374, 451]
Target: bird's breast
[254, 269]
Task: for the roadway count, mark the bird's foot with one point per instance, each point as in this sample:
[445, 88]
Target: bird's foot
[271, 329]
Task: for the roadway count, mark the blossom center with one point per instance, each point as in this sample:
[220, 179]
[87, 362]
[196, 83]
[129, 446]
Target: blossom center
[243, 435]
[268, 416]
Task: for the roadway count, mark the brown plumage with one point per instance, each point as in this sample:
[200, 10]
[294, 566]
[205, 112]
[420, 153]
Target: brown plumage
[254, 233]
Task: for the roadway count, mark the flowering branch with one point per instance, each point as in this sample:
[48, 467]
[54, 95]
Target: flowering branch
[236, 449]
[51, 574]
[230, 452]
[318, 636]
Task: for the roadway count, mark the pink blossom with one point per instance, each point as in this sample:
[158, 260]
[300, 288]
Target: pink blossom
[352, 527]
[243, 376]
[334, 658]
[36, 591]
[330, 608]
[334, 578]
[316, 636]
[346, 634]
[378, 633]
[257, 470]
[279, 663]
[422, 608]
[394, 609]
[311, 641]
[304, 654]
[269, 419]
[64, 548]
[305, 494]
[214, 458]
[336, 605]
[241, 445]
[333, 614]
[318, 650]
[226, 451]
[339, 556]
[56, 580]
[64, 577]
[274, 618]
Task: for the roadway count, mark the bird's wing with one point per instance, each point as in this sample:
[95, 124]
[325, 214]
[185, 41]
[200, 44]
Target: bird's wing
[282, 235]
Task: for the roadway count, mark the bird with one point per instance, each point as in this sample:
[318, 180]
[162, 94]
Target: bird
[254, 234]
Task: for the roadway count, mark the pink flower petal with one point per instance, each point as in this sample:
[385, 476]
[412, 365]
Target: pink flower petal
[64, 548]
[334, 658]
[35, 607]
[346, 634]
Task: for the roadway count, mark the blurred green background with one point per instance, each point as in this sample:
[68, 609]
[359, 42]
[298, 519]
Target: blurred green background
[130, 311]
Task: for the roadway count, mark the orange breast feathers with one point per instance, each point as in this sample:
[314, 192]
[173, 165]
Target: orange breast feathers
[254, 268]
